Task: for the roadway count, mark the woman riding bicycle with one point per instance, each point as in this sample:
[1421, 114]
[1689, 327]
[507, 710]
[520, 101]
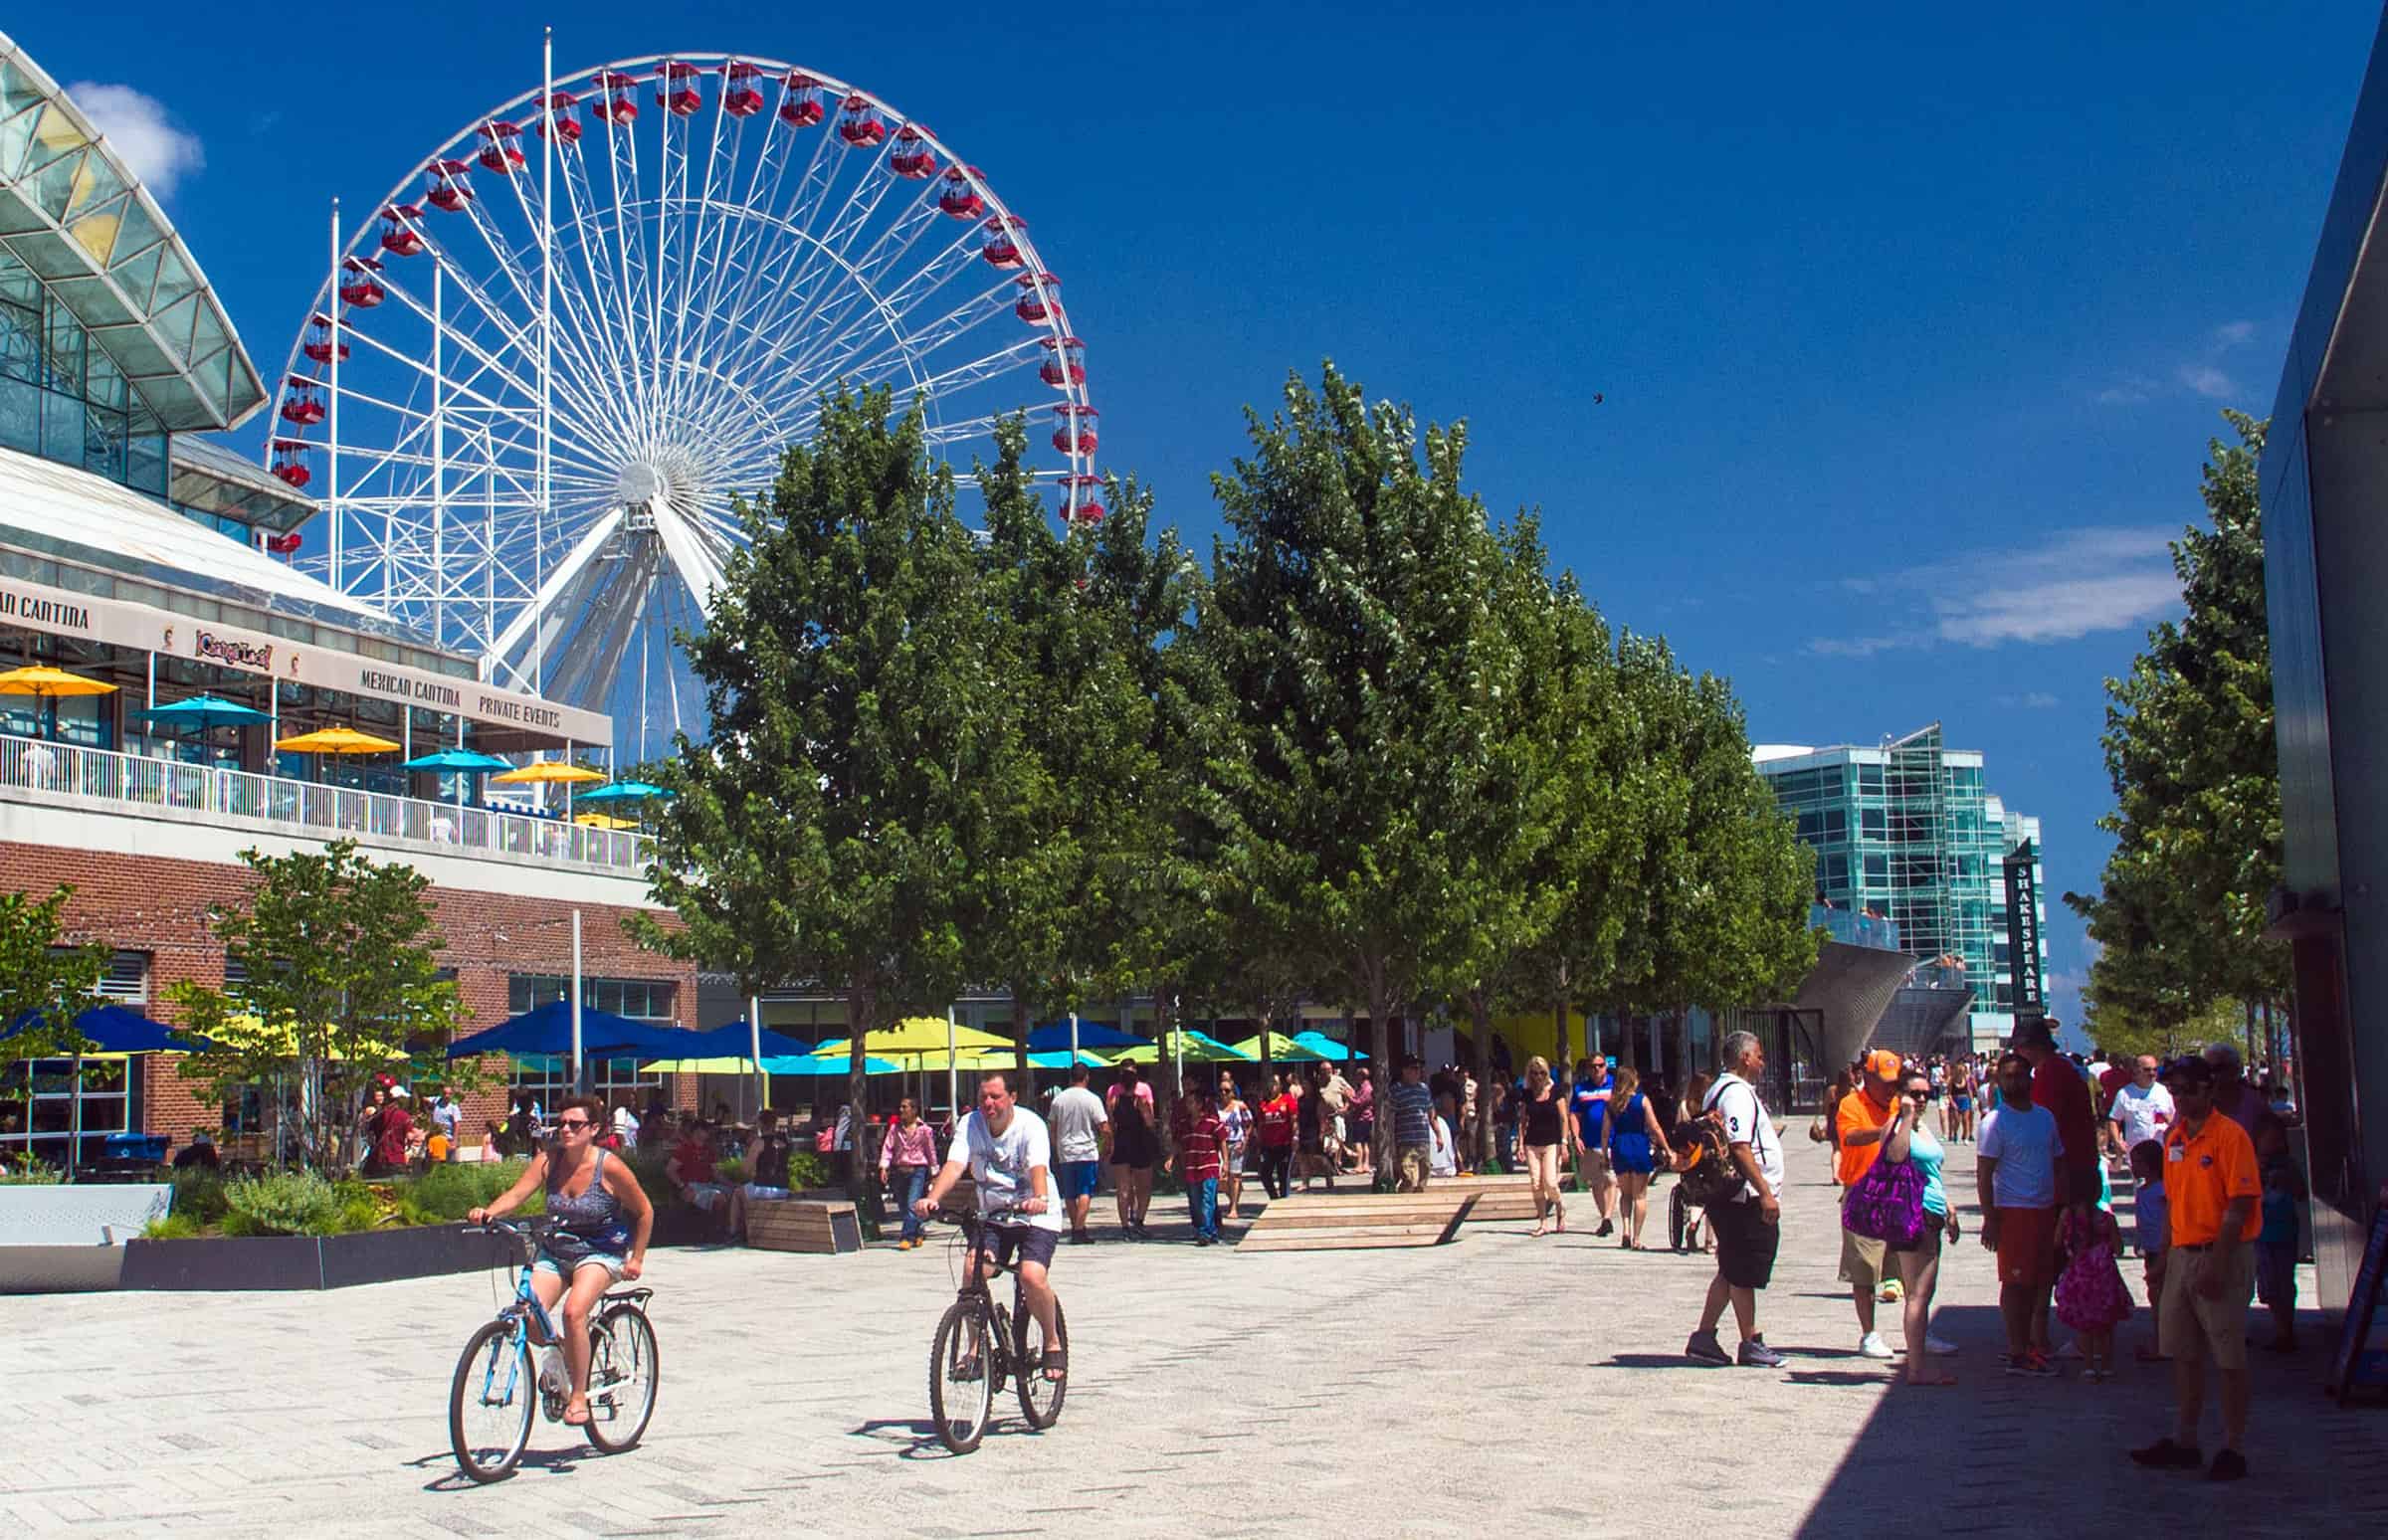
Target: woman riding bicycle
[603, 1221]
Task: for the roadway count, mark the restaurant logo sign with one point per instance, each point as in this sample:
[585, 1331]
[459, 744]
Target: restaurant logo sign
[28, 607]
[235, 652]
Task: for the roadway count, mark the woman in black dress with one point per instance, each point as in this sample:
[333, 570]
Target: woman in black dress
[1548, 1135]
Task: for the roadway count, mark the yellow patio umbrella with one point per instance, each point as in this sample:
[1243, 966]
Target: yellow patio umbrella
[48, 684]
[698, 1066]
[1281, 1047]
[335, 740]
[927, 1034]
[604, 820]
[251, 1034]
[552, 772]
[935, 1059]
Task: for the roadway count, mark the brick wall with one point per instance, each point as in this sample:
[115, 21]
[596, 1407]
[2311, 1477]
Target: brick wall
[159, 906]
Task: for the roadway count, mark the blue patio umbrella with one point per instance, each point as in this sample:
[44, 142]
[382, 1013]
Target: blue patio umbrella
[205, 712]
[1327, 1048]
[1063, 1060]
[734, 1039]
[111, 1029]
[603, 1035]
[1091, 1034]
[624, 791]
[457, 759]
[830, 1064]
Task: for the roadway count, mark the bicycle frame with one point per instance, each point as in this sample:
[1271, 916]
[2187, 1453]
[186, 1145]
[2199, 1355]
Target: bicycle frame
[526, 1313]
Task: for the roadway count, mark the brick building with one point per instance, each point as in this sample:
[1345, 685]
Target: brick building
[153, 564]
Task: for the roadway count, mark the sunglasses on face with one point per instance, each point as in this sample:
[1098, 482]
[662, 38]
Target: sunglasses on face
[572, 1122]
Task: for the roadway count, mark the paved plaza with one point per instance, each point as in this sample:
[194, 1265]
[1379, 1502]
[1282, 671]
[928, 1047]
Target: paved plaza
[1495, 1382]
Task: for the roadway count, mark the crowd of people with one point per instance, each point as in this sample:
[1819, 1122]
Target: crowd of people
[2215, 1212]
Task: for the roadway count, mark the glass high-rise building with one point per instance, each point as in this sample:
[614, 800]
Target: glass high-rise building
[1907, 830]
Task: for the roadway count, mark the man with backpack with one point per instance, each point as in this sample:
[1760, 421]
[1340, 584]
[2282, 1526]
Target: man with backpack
[1743, 1206]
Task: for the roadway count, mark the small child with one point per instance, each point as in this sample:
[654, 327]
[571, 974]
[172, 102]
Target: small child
[2276, 1254]
[2091, 1295]
[2152, 1222]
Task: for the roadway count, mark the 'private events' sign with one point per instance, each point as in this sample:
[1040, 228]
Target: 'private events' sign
[38, 607]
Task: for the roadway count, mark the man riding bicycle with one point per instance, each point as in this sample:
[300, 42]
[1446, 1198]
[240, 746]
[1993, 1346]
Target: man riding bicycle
[1009, 1156]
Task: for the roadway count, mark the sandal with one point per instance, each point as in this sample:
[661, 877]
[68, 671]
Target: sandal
[966, 1373]
[1537, 1231]
[582, 1421]
[1056, 1364]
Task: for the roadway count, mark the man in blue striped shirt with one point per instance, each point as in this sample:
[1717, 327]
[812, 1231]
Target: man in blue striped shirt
[1413, 1126]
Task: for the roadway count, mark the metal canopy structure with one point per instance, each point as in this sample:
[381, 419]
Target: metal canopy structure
[539, 371]
[72, 212]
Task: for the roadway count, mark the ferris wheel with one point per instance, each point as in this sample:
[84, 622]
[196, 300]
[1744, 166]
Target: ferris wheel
[533, 380]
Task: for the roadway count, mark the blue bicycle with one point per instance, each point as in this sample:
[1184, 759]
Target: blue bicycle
[496, 1388]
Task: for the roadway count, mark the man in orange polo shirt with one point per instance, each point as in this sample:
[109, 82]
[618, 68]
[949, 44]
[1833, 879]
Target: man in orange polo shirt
[1861, 1116]
[2214, 1192]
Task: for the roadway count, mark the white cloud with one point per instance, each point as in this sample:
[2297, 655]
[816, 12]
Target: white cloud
[2128, 390]
[2207, 381]
[2079, 582]
[142, 133]
[2030, 700]
[2200, 374]
[2232, 333]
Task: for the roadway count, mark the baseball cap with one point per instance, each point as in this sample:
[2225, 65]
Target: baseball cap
[1883, 1065]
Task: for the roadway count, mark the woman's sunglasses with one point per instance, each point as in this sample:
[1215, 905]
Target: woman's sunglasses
[573, 1122]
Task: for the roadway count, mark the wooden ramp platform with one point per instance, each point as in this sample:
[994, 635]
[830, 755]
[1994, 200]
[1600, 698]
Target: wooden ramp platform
[1354, 1220]
[1497, 1199]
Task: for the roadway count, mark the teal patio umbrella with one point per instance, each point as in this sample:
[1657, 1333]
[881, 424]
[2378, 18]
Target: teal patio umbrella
[624, 791]
[200, 712]
[459, 762]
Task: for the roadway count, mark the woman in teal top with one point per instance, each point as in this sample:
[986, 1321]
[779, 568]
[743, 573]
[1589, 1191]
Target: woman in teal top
[1910, 1138]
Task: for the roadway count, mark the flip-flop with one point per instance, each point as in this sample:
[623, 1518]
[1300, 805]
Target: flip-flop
[581, 1421]
[1539, 1229]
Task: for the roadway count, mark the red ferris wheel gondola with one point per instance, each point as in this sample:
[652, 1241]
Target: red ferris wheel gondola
[317, 346]
[618, 103]
[1073, 430]
[742, 97]
[859, 124]
[800, 103]
[1082, 500]
[1035, 304]
[501, 154]
[910, 157]
[1065, 363]
[302, 402]
[446, 184]
[399, 234]
[680, 96]
[996, 240]
[290, 462]
[559, 112]
[958, 197]
[358, 287]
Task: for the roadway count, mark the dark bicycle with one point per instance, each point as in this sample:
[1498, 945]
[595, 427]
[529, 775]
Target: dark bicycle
[980, 1345]
[496, 1388]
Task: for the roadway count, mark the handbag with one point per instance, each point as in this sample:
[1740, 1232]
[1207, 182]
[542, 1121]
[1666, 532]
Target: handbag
[1886, 1203]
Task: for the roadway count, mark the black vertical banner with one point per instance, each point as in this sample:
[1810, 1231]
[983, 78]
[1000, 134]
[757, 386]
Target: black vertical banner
[2023, 931]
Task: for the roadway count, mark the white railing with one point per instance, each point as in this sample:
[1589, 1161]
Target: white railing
[331, 811]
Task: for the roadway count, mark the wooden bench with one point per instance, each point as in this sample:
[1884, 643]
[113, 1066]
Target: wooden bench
[825, 1226]
[1499, 1198]
[1351, 1221]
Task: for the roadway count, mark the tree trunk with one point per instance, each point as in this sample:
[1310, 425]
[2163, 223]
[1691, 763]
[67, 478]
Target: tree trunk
[1565, 1035]
[862, 1018]
[1389, 1070]
[1024, 1015]
[1480, 1014]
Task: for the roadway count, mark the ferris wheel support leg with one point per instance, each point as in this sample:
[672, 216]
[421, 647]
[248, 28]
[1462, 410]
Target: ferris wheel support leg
[527, 618]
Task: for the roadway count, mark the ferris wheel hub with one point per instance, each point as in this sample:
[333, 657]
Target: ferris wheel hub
[640, 482]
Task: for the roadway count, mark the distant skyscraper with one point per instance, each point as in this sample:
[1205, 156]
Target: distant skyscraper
[1905, 830]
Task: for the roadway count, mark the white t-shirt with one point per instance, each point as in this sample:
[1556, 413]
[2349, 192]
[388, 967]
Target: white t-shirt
[2025, 1143]
[2143, 1114]
[1000, 1164]
[1442, 1160]
[1745, 1122]
[626, 1125]
[1077, 1114]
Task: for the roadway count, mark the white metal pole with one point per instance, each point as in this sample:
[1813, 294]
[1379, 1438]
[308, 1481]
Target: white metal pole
[331, 468]
[953, 1075]
[1074, 1037]
[539, 533]
[580, 1067]
[439, 459]
[755, 1041]
[75, 1139]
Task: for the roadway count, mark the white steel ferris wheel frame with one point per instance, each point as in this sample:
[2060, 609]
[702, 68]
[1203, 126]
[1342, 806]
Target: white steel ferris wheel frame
[601, 384]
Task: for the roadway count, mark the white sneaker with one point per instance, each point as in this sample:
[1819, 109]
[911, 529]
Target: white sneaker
[1933, 1344]
[2071, 1350]
[1872, 1345]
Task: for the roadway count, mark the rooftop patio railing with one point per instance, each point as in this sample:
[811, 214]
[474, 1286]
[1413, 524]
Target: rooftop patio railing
[329, 812]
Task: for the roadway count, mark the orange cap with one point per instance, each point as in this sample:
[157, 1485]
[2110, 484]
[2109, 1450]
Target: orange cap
[1883, 1065]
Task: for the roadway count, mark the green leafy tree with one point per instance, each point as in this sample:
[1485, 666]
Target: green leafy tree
[865, 768]
[2190, 751]
[339, 981]
[1351, 622]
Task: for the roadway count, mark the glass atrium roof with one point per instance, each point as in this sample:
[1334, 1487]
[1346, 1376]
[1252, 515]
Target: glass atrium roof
[72, 212]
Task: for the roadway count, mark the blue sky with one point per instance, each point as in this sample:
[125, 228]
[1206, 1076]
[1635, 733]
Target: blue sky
[1911, 332]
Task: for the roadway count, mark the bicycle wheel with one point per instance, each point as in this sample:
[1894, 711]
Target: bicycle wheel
[491, 1403]
[961, 1395]
[624, 1373]
[1039, 1398]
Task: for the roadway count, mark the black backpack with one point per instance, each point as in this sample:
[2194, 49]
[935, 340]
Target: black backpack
[1707, 1174]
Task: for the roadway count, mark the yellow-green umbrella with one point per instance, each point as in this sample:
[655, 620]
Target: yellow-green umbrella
[42, 680]
[550, 772]
[335, 740]
[698, 1066]
[1280, 1046]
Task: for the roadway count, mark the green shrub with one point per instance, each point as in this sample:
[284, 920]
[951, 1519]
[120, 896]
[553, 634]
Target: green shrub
[286, 1203]
[808, 1171]
[445, 1194]
[731, 1172]
[356, 1207]
[175, 1227]
[27, 1174]
[198, 1197]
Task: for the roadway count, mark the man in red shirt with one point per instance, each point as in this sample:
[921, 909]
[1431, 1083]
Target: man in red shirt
[1200, 1147]
[2059, 1086]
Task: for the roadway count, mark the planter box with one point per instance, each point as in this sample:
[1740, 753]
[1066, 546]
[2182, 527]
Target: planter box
[58, 1269]
[825, 1226]
[306, 1263]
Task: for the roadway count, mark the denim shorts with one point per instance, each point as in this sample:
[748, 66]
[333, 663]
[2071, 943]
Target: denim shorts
[614, 1265]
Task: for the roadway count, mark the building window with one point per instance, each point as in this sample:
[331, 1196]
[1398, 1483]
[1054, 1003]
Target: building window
[126, 981]
[37, 1106]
